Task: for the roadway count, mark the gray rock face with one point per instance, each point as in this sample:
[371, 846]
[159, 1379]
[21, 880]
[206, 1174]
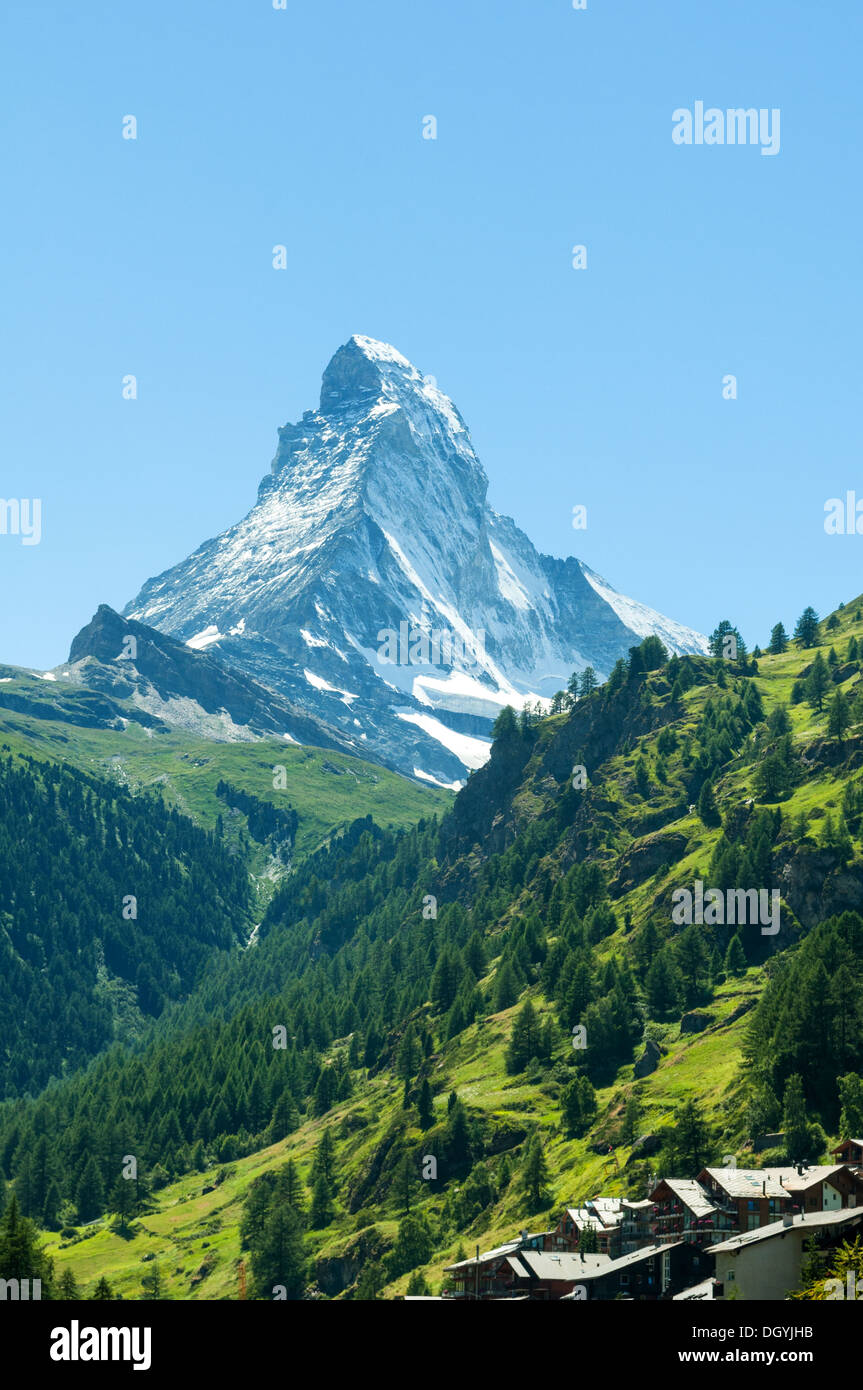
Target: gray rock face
[643, 858]
[648, 1061]
[170, 683]
[695, 1022]
[371, 529]
[645, 1145]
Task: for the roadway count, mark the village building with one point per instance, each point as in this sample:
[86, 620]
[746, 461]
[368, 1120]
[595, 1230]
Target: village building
[688, 1240]
[544, 1277]
[749, 1197]
[635, 1229]
[602, 1216]
[488, 1275]
[657, 1272]
[850, 1151]
[821, 1188]
[682, 1210]
[764, 1264]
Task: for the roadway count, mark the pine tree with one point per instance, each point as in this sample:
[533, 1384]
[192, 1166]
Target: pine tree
[838, 716]
[418, 1286]
[778, 640]
[51, 1208]
[321, 1210]
[735, 958]
[290, 1187]
[692, 961]
[778, 722]
[90, 1192]
[806, 631]
[772, 776]
[817, 683]
[505, 728]
[324, 1162]
[325, 1091]
[425, 1105]
[21, 1255]
[708, 810]
[68, 1288]
[524, 1040]
[458, 1137]
[412, 1247]
[617, 678]
[278, 1261]
[570, 1109]
[282, 1123]
[404, 1183]
[691, 1137]
[578, 1106]
[153, 1284]
[851, 1099]
[588, 682]
[406, 1061]
[725, 641]
[588, 1241]
[534, 1172]
[506, 987]
[370, 1282]
[654, 653]
[103, 1292]
[631, 1120]
[804, 1141]
[663, 984]
[122, 1201]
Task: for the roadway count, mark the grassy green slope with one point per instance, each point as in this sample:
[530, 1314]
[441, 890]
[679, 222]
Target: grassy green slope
[705, 1065]
[327, 789]
[188, 1229]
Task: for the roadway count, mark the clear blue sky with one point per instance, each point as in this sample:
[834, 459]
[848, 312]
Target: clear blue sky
[303, 127]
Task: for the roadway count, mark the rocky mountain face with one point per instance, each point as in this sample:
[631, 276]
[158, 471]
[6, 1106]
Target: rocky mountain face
[372, 588]
[163, 682]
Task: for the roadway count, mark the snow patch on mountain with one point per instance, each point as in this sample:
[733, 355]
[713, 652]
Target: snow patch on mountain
[643, 620]
[204, 639]
[472, 751]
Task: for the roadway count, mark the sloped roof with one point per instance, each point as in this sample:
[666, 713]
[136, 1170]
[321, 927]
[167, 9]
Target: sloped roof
[497, 1253]
[705, 1291]
[791, 1180]
[647, 1252]
[542, 1264]
[813, 1220]
[749, 1182]
[599, 1214]
[692, 1194]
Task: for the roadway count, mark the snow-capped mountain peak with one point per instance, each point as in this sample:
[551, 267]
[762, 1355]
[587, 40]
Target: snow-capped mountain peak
[372, 567]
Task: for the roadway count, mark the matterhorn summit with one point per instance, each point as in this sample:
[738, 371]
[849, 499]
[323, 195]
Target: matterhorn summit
[372, 587]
